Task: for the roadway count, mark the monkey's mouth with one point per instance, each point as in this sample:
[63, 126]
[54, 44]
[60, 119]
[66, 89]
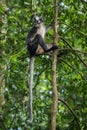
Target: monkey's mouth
[37, 23]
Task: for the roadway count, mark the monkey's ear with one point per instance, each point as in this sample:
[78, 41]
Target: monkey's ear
[41, 20]
[33, 15]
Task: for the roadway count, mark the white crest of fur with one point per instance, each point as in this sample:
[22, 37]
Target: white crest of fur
[36, 17]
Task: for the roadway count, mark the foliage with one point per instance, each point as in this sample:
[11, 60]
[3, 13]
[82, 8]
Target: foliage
[15, 21]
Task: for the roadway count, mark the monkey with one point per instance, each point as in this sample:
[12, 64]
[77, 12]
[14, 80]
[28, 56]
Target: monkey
[36, 46]
[35, 39]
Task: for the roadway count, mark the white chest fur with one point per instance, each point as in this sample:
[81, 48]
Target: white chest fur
[41, 31]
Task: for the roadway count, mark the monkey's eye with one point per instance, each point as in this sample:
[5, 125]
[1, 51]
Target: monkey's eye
[41, 20]
[38, 21]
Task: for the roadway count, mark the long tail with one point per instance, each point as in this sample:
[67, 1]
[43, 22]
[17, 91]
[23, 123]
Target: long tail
[30, 88]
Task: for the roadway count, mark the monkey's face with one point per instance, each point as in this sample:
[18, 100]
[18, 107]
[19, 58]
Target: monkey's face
[37, 21]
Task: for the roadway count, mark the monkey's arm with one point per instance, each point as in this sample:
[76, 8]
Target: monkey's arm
[31, 35]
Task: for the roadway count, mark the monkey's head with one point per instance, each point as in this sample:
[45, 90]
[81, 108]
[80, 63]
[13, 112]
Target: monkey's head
[37, 21]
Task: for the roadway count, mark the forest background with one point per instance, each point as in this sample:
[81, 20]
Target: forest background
[15, 21]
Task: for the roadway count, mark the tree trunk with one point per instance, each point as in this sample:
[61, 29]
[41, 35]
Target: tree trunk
[54, 63]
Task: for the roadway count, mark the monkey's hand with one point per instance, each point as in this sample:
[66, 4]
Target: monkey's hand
[54, 47]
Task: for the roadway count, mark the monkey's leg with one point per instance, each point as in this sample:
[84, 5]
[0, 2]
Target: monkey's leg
[39, 40]
[40, 50]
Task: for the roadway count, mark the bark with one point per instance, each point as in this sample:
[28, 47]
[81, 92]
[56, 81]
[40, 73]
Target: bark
[54, 63]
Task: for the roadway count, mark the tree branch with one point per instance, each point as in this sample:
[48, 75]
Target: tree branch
[73, 113]
[74, 28]
[69, 49]
[72, 68]
[74, 51]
